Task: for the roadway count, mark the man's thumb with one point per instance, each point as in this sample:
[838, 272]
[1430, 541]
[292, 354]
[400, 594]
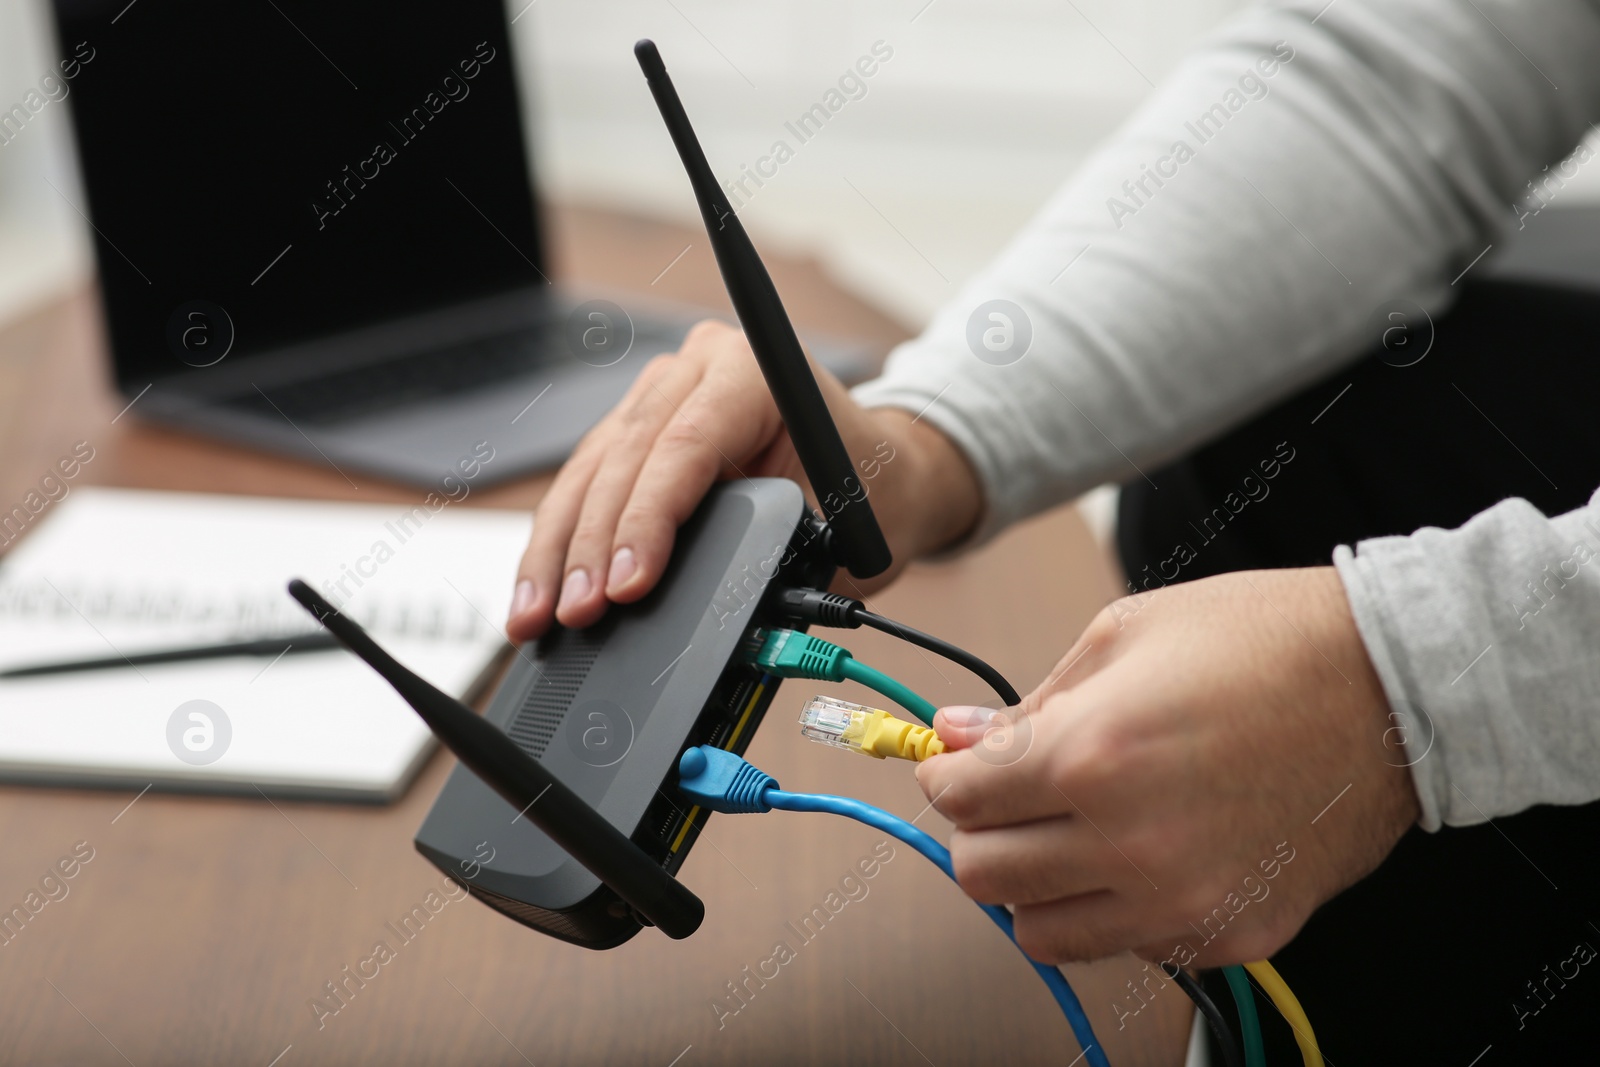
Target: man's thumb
[962, 726]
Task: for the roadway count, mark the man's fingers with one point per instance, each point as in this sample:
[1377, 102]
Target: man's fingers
[606, 528]
[981, 787]
[728, 418]
[965, 725]
[1033, 863]
[538, 585]
[1067, 753]
[676, 477]
[635, 427]
[1087, 927]
[1015, 770]
[543, 570]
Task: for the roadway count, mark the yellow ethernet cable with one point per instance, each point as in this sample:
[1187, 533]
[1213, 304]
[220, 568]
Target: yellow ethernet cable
[1289, 1007]
[869, 731]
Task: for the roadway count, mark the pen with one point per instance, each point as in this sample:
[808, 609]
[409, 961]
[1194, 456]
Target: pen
[314, 641]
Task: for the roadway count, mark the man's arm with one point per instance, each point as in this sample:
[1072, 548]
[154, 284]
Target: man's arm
[1362, 151]
[1230, 243]
[1487, 642]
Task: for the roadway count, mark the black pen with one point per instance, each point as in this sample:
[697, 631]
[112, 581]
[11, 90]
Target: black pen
[314, 641]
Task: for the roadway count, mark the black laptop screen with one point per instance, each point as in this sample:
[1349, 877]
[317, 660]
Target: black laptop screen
[304, 167]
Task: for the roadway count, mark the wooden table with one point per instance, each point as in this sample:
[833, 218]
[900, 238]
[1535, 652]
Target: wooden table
[203, 927]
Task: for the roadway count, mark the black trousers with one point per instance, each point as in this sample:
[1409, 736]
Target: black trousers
[1464, 942]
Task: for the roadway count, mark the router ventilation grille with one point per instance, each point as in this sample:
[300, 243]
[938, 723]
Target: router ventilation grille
[543, 919]
[563, 663]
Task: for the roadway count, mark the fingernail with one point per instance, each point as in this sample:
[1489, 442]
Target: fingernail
[522, 597]
[967, 715]
[575, 588]
[622, 567]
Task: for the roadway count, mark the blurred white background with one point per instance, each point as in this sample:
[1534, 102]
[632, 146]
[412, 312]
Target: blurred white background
[984, 108]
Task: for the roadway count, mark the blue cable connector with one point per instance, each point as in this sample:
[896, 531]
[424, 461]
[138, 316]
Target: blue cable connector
[721, 781]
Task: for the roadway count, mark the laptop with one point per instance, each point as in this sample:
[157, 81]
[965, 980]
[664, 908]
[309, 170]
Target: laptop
[317, 232]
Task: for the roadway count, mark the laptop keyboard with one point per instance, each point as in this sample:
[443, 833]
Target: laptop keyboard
[376, 387]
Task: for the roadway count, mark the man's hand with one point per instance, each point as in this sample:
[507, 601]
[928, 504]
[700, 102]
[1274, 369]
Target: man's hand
[604, 531]
[1208, 764]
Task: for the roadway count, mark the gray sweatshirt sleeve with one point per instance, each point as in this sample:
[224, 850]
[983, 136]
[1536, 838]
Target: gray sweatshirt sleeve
[1230, 244]
[1487, 641]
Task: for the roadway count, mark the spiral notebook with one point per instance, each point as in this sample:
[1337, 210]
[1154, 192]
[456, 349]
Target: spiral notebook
[118, 572]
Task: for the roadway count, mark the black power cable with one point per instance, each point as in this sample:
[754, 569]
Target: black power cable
[1231, 1056]
[994, 678]
[833, 609]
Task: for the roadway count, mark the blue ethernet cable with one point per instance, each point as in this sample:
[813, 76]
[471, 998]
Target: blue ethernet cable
[721, 781]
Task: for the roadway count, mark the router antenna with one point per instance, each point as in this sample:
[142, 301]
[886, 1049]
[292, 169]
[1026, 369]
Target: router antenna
[524, 782]
[858, 542]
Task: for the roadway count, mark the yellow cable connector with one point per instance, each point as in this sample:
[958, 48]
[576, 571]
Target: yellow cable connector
[868, 731]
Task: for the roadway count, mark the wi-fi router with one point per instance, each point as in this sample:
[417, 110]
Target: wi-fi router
[562, 814]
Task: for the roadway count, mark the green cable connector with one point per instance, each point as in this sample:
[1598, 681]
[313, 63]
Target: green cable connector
[792, 654]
